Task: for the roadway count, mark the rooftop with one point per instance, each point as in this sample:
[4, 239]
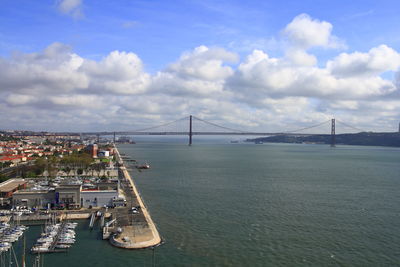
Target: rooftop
[11, 184]
[31, 192]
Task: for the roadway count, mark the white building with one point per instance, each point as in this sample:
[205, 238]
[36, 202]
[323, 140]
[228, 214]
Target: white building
[104, 154]
[98, 198]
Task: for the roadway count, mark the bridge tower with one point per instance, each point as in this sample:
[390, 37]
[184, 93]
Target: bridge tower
[190, 130]
[333, 133]
[114, 137]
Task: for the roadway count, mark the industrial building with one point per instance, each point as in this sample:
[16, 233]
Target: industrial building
[69, 196]
[8, 187]
[33, 199]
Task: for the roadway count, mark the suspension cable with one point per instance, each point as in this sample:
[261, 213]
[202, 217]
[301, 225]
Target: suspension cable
[161, 125]
[219, 126]
[236, 130]
[306, 128]
[355, 128]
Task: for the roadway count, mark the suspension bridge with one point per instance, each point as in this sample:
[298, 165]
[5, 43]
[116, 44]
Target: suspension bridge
[189, 126]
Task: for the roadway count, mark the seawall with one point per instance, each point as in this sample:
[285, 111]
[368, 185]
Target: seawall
[135, 237]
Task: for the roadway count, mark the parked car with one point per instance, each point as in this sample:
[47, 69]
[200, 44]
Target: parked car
[135, 210]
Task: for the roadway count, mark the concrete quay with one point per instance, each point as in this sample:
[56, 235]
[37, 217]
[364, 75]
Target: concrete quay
[140, 232]
[60, 215]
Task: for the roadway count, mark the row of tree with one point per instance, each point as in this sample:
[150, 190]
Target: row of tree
[78, 163]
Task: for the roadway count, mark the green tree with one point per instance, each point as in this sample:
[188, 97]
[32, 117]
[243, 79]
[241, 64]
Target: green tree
[3, 178]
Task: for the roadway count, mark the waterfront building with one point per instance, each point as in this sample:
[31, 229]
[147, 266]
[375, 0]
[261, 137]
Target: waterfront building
[104, 154]
[98, 198]
[103, 195]
[70, 196]
[8, 187]
[92, 149]
[33, 199]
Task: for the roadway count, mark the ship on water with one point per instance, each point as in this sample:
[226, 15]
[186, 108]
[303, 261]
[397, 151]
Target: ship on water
[144, 166]
[125, 140]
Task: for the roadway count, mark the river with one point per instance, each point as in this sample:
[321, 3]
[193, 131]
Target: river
[222, 204]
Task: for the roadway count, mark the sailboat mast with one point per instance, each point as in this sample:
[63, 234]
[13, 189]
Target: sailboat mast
[23, 253]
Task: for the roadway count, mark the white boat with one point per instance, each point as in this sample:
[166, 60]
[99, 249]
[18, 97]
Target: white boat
[39, 249]
[45, 239]
[144, 166]
[4, 246]
[67, 236]
[66, 241]
[10, 238]
[63, 246]
[67, 231]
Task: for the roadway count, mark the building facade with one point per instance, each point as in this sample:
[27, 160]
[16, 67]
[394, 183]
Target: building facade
[33, 199]
[10, 186]
[98, 198]
[69, 196]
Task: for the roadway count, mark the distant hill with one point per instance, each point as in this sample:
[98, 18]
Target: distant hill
[360, 139]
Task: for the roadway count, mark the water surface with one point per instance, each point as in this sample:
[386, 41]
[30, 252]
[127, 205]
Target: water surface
[222, 204]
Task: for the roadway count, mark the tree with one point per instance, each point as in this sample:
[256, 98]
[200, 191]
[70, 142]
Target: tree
[7, 164]
[3, 178]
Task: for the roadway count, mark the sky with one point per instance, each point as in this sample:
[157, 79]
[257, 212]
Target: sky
[85, 65]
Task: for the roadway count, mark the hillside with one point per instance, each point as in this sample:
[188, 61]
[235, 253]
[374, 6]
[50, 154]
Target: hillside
[361, 139]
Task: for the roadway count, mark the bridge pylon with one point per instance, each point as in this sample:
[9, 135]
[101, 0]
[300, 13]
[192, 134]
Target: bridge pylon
[333, 133]
[190, 130]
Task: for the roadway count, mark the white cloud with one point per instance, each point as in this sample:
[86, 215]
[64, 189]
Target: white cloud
[262, 76]
[18, 99]
[300, 57]
[57, 70]
[119, 72]
[344, 105]
[200, 72]
[77, 100]
[57, 89]
[53, 70]
[376, 61]
[397, 81]
[204, 63]
[305, 32]
[70, 7]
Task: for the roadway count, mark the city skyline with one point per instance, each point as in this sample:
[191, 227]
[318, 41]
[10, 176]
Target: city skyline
[76, 65]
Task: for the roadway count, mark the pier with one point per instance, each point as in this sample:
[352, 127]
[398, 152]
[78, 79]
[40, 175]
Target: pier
[92, 219]
[136, 229]
[52, 247]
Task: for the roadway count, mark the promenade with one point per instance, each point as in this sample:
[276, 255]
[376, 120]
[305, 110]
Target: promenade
[138, 230]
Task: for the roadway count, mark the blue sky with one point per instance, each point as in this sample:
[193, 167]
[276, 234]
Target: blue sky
[158, 31]
[203, 57]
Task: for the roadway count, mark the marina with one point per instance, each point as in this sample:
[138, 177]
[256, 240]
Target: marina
[126, 223]
[10, 234]
[57, 237]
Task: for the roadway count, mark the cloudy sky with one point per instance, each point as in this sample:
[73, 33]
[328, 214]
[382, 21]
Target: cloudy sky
[80, 65]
